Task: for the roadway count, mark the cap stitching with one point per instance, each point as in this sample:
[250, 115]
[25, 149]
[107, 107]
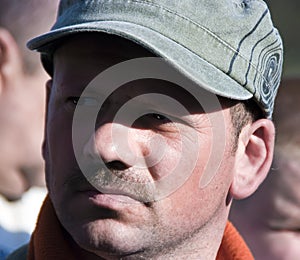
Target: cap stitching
[244, 38]
[277, 48]
[251, 56]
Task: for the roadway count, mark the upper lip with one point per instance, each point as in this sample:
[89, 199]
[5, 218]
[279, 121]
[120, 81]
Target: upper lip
[104, 181]
[79, 183]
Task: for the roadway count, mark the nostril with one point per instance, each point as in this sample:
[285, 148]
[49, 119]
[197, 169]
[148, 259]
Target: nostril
[116, 165]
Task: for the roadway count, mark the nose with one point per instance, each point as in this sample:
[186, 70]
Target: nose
[116, 145]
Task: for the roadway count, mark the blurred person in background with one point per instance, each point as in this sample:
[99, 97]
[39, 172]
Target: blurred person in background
[270, 219]
[22, 102]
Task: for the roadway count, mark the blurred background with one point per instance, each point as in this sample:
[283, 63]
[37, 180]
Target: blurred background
[286, 17]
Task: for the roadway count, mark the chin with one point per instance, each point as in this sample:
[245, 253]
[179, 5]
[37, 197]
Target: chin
[106, 238]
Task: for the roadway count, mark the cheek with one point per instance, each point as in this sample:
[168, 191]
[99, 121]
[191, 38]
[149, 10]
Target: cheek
[169, 153]
[192, 202]
[184, 158]
[59, 155]
[193, 206]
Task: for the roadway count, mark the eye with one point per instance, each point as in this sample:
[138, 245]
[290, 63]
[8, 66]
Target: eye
[158, 116]
[159, 122]
[156, 119]
[73, 100]
[82, 101]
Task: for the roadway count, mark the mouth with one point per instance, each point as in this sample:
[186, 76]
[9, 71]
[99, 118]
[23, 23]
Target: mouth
[103, 196]
[106, 200]
[123, 186]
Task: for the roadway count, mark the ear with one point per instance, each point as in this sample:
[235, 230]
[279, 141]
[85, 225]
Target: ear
[48, 93]
[10, 59]
[253, 158]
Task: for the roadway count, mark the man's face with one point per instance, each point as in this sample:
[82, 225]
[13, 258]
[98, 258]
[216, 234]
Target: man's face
[115, 220]
[22, 108]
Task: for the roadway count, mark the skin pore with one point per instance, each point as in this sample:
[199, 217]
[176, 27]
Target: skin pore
[111, 224]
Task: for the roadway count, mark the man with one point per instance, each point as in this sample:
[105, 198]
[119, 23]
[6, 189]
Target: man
[22, 103]
[142, 158]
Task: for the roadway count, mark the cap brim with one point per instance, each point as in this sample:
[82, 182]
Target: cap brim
[188, 63]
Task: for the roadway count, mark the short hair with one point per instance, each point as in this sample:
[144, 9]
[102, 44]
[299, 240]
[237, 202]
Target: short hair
[24, 20]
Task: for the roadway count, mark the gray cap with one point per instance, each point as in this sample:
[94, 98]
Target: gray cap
[228, 47]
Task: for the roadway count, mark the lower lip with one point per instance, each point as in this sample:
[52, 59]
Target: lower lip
[109, 200]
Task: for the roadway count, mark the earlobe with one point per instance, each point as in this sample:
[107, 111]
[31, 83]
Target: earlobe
[253, 158]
